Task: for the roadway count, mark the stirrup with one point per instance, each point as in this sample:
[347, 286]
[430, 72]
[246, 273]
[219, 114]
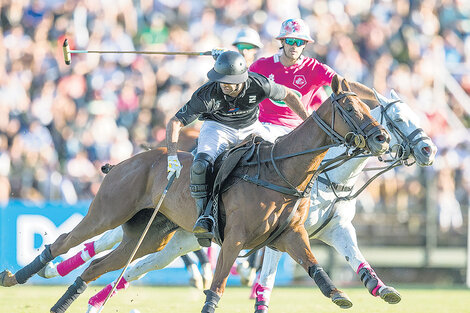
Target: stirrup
[203, 230]
[204, 224]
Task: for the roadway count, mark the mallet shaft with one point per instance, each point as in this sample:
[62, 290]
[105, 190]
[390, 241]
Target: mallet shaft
[143, 52]
[68, 52]
[155, 211]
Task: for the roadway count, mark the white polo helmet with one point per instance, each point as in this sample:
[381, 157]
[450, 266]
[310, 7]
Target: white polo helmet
[250, 36]
[295, 28]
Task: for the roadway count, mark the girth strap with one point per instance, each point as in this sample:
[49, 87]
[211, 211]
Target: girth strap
[268, 185]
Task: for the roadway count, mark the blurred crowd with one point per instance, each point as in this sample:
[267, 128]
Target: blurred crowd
[59, 124]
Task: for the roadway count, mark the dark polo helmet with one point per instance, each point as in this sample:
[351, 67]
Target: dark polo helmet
[230, 68]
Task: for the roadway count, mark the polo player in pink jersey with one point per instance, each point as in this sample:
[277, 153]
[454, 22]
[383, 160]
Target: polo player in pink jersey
[306, 76]
[290, 68]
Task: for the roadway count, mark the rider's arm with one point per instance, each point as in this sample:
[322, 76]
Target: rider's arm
[173, 129]
[280, 92]
[295, 104]
[186, 115]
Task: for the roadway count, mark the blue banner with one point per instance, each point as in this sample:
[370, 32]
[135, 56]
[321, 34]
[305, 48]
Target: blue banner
[25, 227]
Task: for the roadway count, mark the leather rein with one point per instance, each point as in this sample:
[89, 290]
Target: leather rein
[400, 158]
[358, 137]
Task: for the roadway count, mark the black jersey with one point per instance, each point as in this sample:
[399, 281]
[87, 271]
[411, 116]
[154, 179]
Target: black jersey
[210, 103]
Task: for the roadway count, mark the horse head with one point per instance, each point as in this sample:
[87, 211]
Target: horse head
[356, 124]
[408, 139]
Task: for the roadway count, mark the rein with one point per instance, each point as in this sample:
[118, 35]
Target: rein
[400, 158]
[329, 130]
[404, 150]
[336, 138]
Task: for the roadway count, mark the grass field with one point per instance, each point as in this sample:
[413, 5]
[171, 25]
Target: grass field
[36, 299]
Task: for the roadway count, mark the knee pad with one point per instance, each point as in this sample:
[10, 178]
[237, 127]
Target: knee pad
[200, 172]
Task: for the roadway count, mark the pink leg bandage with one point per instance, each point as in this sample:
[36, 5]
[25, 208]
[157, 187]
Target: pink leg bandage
[233, 270]
[379, 282]
[253, 288]
[78, 259]
[98, 299]
[262, 296]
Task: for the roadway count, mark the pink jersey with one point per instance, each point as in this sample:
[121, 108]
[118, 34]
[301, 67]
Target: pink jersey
[307, 77]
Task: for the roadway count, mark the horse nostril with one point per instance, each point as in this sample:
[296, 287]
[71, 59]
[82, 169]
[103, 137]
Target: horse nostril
[426, 150]
[380, 138]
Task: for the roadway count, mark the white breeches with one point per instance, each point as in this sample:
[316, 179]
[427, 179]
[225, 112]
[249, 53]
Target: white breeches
[215, 137]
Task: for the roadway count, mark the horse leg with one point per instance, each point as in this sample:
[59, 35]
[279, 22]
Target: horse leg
[266, 279]
[227, 256]
[115, 260]
[195, 277]
[343, 238]
[105, 242]
[64, 242]
[296, 243]
[206, 267]
[182, 243]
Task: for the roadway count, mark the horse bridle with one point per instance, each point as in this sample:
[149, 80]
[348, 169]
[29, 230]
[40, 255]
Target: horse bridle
[404, 150]
[361, 132]
[357, 131]
[358, 134]
[401, 157]
[408, 142]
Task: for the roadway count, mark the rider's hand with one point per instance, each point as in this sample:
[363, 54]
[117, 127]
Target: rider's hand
[217, 51]
[174, 166]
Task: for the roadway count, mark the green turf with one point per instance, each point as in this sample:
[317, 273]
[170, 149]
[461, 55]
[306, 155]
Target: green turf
[35, 299]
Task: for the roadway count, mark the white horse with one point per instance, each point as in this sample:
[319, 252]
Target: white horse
[400, 122]
[330, 216]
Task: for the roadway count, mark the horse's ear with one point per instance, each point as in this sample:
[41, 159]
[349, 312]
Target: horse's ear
[335, 84]
[345, 84]
[394, 95]
[382, 100]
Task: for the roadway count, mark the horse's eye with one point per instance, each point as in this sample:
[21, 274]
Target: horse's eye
[349, 108]
[398, 120]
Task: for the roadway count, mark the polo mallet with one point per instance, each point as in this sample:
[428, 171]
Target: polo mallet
[155, 211]
[68, 52]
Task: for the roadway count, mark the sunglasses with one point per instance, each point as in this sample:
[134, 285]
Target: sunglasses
[245, 46]
[295, 41]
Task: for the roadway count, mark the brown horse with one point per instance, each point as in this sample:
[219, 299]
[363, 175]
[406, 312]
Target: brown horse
[252, 212]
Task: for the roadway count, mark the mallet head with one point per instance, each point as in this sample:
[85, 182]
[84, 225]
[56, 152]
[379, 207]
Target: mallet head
[67, 54]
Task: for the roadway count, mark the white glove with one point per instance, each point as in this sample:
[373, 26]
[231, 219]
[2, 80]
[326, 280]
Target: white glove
[174, 166]
[217, 51]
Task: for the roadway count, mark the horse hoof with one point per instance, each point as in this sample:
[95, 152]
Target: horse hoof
[7, 279]
[342, 300]
[390, 295]
[42, 272]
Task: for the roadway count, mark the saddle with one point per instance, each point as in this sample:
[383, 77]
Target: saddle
[227, 171]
